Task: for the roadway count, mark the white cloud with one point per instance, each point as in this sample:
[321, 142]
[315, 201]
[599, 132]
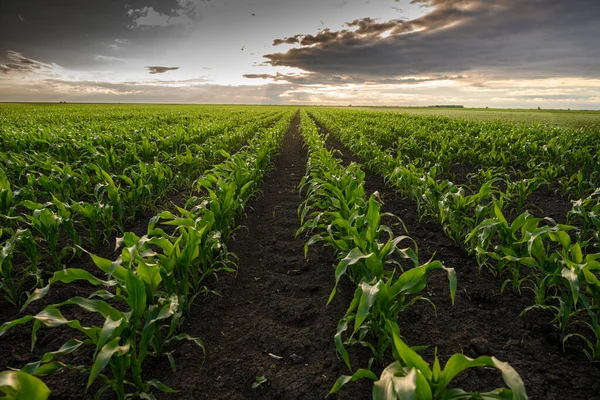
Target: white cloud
[148, 17]
[119, 44]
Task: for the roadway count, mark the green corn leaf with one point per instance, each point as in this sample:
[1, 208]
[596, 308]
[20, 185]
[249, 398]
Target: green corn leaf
[410, 357]
[185, 336]
[459, 362]
[109, 328]
[93, 305]
[352, 258]
[367, 298]
[66, 276]
[11, 324]
[150, 274]
[359, 374]
[339, 340]
[136, 295]
[19, 385]
[571, 277]
[110, 267]
[161, 386]
[47, 369]
[103, 357]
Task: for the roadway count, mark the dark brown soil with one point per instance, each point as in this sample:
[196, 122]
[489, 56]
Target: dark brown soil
[483, 321]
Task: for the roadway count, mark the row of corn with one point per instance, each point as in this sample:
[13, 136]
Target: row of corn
[388, 279]
[558, 263]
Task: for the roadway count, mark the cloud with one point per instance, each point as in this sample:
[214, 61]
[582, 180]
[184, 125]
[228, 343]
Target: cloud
[160, 70]
[188, 91]
[528, 39]
[71, 32]
[418, 91]
[119, 44]
[17, 63]
[148, 17]
[340, 80]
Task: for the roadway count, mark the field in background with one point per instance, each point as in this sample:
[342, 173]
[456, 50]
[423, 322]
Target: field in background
[565, 118]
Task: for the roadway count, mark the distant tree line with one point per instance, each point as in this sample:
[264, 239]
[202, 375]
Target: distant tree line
[447, 106]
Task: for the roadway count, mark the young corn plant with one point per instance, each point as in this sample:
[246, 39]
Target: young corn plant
[11, 286]
[376, 304]
[590, 268]
[91, 215]
[576, 185]
[47, 224]
[518, 191]
[498, 244]
[587, 212]
[192, 254]
[561, 274]
[108, 192]
[459, 213]
[361, 239]
[411, 377]
[126, 338]
[6, 195]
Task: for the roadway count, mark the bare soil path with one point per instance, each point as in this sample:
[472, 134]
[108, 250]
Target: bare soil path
[275, 306]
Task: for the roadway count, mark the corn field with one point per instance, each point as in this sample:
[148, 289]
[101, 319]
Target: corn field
[275, 252]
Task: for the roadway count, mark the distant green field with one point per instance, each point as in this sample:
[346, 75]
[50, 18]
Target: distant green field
[565, 118]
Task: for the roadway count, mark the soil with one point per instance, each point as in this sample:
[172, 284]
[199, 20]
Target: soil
[271, 319]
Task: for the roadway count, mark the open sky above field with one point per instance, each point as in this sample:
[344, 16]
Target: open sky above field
[478, 53]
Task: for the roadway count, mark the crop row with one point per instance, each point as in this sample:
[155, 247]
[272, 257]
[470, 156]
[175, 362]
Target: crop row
[557, 262]
[148, 291]
[388, 278]
[568, 158]
[44, 229]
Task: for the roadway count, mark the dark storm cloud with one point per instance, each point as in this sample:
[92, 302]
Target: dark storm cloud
[20, 64]
[524, 38]
[71, 32]
[160, 70]
[341, 80]
[289, 40]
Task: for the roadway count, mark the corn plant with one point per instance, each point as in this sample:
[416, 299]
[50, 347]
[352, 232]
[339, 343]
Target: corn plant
[458, 213]
[49, 224]
[189, 257]
[576, 185]
[125, 339]
[6, 194]
[337, 213]
[376, 304]
[91, 215]
[410, 376]
[587, 212]
[590, 269]
[10, 285]
[494, 239]
[518, 191]
[110, 193]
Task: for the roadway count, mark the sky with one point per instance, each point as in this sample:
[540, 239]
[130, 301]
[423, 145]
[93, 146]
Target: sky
[476, 53]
